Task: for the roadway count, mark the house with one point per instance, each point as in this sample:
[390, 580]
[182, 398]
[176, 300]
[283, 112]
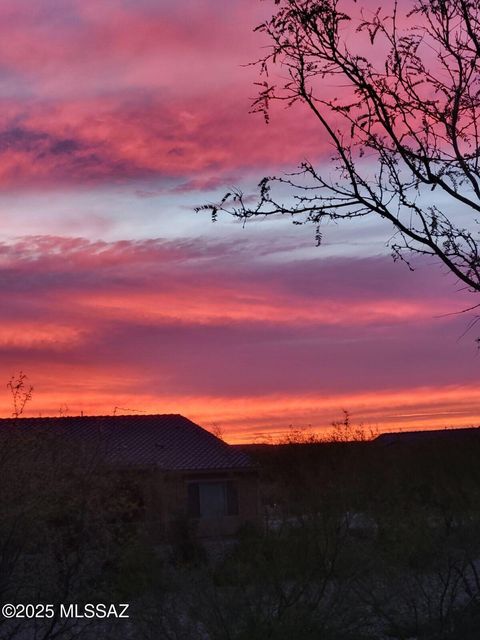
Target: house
[459, 435]
[185, 471]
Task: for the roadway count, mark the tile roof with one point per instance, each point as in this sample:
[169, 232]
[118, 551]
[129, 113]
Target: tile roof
[431, 435]
[168, 441]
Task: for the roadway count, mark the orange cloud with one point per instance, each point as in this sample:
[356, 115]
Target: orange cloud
[257, 418]
[34, 335]
[211, 305]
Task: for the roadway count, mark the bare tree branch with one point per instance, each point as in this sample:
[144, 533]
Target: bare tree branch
[404, 127]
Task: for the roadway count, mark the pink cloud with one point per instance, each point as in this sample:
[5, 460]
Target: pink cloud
[134, 91]
[113, 140]
[70, 48]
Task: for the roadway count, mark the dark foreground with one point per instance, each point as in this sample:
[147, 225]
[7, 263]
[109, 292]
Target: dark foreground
[360, 541]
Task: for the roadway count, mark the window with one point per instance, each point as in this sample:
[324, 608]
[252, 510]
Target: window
[212, 499]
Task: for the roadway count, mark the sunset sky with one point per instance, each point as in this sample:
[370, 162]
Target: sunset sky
[117, 119]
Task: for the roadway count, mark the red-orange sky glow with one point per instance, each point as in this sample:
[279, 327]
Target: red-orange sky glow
[116, 120]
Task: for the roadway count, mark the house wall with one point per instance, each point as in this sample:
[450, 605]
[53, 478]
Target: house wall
[167, 501]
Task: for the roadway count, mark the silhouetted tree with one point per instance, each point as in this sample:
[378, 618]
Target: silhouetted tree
[67, 529]
[396, 92]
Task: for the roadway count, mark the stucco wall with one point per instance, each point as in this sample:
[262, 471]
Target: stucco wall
[167, 501]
